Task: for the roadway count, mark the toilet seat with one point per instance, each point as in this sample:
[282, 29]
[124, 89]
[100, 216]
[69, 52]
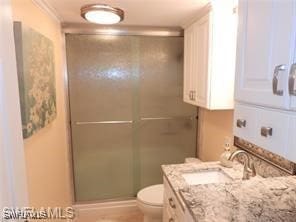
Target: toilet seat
[152, 195]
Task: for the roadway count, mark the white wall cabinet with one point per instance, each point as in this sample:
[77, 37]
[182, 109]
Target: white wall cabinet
[209, 58]
[265, 52]
[265, 76]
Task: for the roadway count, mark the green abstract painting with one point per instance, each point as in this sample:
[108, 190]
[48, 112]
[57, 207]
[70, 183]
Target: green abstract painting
[36, 75]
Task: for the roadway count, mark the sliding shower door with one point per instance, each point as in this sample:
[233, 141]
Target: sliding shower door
[127, 114]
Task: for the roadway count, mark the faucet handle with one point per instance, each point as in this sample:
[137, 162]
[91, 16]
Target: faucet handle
[249, 171]
[253, 170]
[246, 173]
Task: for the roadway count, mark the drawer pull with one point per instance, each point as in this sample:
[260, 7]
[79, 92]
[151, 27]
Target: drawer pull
[292, 79]
[190, 94]
[275, 80]
[193, 95]
[266, 131]
[172, 204]
[171, 220]
[240, 123]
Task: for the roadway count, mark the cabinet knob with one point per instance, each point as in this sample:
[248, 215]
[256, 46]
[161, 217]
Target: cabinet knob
[266, 131]
[172, 203]
[292, 79]
[240, 123]
[275, 80]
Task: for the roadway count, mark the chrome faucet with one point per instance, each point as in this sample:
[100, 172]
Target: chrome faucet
[249, 169]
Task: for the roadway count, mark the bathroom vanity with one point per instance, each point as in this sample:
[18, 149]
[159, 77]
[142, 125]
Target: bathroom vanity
[210, 192]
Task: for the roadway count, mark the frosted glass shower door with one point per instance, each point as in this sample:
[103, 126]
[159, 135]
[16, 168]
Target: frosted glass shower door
[168, 125]
[127, 113]
[101, 87]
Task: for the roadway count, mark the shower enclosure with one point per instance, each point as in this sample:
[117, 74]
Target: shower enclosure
[127, 113]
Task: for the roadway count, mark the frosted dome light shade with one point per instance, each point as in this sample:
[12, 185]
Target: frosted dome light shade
[102, 17]
[102, 14]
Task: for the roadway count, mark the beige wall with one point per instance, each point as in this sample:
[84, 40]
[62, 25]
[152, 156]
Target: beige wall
[213, 127]
[47, 151]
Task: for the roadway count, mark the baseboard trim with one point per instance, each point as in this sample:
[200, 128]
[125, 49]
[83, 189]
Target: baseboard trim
[95, 210]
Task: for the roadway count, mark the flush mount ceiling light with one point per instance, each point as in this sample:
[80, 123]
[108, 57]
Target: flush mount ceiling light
[102, 14]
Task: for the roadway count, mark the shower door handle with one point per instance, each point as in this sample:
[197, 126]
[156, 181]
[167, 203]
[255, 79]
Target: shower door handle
[168, 118]
[105, 122]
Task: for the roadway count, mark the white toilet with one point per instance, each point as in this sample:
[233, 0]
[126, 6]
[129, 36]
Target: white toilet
[150, 202]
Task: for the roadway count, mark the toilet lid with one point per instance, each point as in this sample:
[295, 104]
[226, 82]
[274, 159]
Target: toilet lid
[152, 195]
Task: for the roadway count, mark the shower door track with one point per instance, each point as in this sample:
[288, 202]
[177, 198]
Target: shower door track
[91, 29]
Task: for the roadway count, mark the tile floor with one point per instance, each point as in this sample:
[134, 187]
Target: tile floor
[132, 217]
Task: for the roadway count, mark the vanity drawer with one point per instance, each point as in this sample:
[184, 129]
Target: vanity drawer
[245, 118]
[272, 131]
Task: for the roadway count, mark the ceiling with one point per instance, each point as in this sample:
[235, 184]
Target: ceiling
[137, 12]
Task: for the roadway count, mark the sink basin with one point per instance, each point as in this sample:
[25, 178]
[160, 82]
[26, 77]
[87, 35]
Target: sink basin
[206, 177]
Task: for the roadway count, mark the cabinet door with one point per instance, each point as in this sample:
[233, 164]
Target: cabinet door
[188, 62]
[171, 204]
[196, 48]
[200, 69]
[266, 40]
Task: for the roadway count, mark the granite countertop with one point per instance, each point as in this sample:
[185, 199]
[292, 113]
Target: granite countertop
[174, 172]
[257, 199]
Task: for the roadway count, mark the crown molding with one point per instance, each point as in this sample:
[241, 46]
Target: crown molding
[48, 9]
[202, 12]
